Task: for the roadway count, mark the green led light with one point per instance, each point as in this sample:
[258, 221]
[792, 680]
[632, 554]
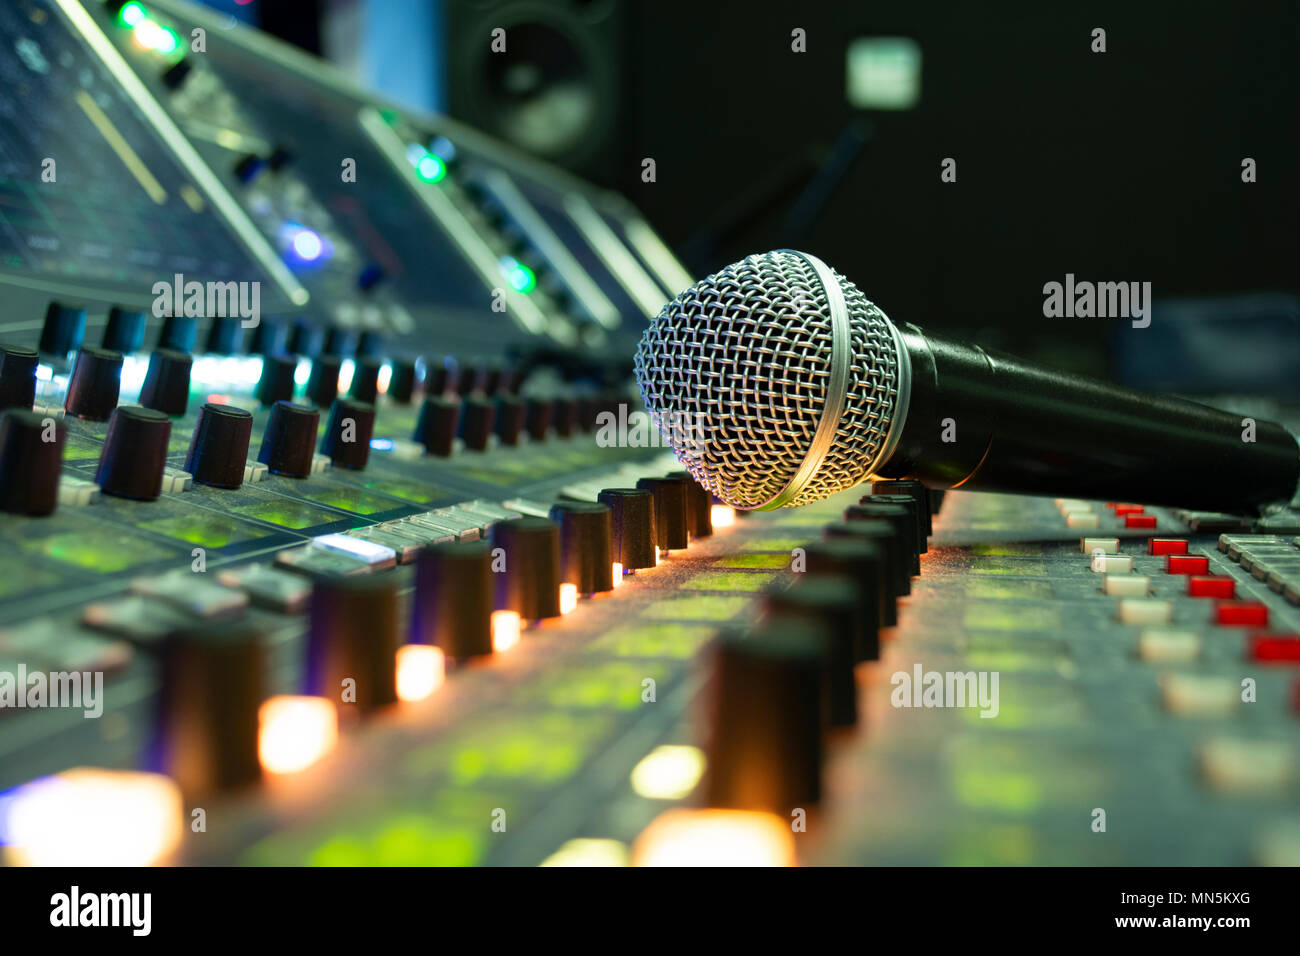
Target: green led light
[168, 41]
[131, 14]
[520, 277]
[430, 168]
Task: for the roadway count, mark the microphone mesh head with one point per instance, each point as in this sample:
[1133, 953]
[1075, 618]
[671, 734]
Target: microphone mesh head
[735, 372]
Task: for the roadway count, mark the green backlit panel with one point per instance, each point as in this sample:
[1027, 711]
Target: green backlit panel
[677, 641]
[348, 499]
[728, 581]
[612, 685]
[287, 513]
[413, 491]
[98, 549]
[205, 529]
[700, 608]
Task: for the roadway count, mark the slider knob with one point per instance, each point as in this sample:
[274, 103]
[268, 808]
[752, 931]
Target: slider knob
[531, 581]
[586, 545]
[352, 639]
[632, 514]
[95, 384]
[289, 440]
[453, 599]
[29, 464]
[134, 454]
[218, 451]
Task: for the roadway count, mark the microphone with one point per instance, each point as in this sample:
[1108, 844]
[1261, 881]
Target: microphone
[776, 383]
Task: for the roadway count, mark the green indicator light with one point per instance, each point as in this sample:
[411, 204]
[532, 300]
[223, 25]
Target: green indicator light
[520, 277]
[131, 14]
[168, 41]
[430, 168]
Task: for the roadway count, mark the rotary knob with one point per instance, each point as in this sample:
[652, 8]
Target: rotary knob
[17, 377]
[903, 520]
[895, 555]
[453, 599]
[304, 338]
[670, 511]
[223, 335]
[632, 515]
[323, 383]
[347, 434]
[831, 602]
[365, 380]
[863, 560]
[510, 413]
[352, 638]
[340, 342]
[289, 440]
[134, 454]
[440, 374]
[179, 332]
[918, 492]
[537, 418]
[267, 338]
[167, 383]
[476, 422]
[436, 427]
[277, 381]
[370, 345]
[586, 545]
[401, 382]
[31, 457]
[95, 383]
[564, 416]
[218, 451]
[531, 582]
[63, 330]
[699, 506]
[125, 330]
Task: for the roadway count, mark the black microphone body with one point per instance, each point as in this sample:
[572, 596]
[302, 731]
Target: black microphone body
[1017, 428]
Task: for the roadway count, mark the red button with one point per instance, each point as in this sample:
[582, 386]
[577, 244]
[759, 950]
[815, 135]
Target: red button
[1274, 648]
[1241, 614]
[1121, 510]
[1139, 521]
[1187, 563]
[1166, 546]
[1211, 586]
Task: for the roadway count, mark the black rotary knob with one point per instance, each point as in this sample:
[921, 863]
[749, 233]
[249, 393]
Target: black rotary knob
[476, 422]
[179, 332]
[670, 511]
[31, 457]
[586, 545]
[896, 558]
[453, 599]
[323, 383]
[267, 338]
[436, 427]
[469, 378]
[223, 335]
[510, 419]
[339, 341]
[766, 719]
[564, 416]
[17, 377]
[914, 508]
[125, 330]
[64, 329]
[440, 374]
[276, 383]
[370, 344]
[212, 685]
[903, 518]
[863, 560]
[353, 631]
[365, 380]
[918, 492]
[831, 602]
[537, 418]
[167, 383]
[401, 381]
[530, 584]
[304, 338]
[218, 451]
[289, 440]
[134, 454]
[95, 384]
[699, 506]
[632, 514]
[347, 434]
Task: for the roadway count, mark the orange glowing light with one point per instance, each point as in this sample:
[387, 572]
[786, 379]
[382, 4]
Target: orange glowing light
[506, 627]
[421, 670]
[722, 516]
[617, 574]
[715, 838]
[295, 732]
[568, 598]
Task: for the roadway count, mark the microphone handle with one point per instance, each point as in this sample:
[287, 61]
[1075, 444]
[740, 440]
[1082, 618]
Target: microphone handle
[984, 421]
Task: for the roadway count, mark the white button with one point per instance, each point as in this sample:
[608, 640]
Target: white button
[76, 492]
[1072, 504]
[1192, 695]
[1112, 563]
[1126, 585]
[1104, 545]
[1145, 611]
[1247, 766]
[255, 471]
[319, 463]
[1081, 519]
[1173, 647]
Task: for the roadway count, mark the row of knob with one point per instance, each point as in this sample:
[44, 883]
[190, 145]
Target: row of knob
[208, 739]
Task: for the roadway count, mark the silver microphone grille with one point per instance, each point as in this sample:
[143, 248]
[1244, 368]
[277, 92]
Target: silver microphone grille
[775, 381]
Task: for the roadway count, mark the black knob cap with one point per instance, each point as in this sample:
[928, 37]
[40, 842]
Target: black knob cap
[632, 513]
[134, 454]
[831, 602]
[370, 345]
[476, 423]
[490, 379]
[936, 500]
[29, 463]
[914, 508]
[167, 383]
[586, 545]
[212, 685]
[174, 76]
[64, 329]
[401, 381]
[670, 511]
[453, 599]
[17, 377]
[914, 489]
[353, 631]
[340, 342]
[537, 418]
[766, 719]
[440, 375]
[468, 378]
[276, 383]
[289, 439]
[864, 560]
[903, 517]
[510, 419]
[436, 427]
[323, 383]
[365, 380]
[699, 506]
[125, 330]
[897, 561]
[304, 338]
[267, 338]
[348, 433]
[564, 416]
[218, 451]
[531, 581]
[95, 384]
[179, 332]
[223, 335]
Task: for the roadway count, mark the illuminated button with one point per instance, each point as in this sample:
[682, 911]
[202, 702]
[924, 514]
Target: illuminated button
[1241, 614]
[1248, 766]
[1187, 564]
[1139, 521]
[1168, 647]
[1274, 648]
[452, 608]
[711, 838]
[1122, 510]
[421, 670]
[1145, 611]
[95, 384]
[1104, 545]
[376, 557]
[295, 732]
[352, 641]
[134, 454]
[219, 449]
[1166, 546]
[1126, 585]
[30, 465]
[289, 441]
[1081, 519]
[1211, 586]
[1195, 695]
[405, 546]
[17, 377]
[1112, 563]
